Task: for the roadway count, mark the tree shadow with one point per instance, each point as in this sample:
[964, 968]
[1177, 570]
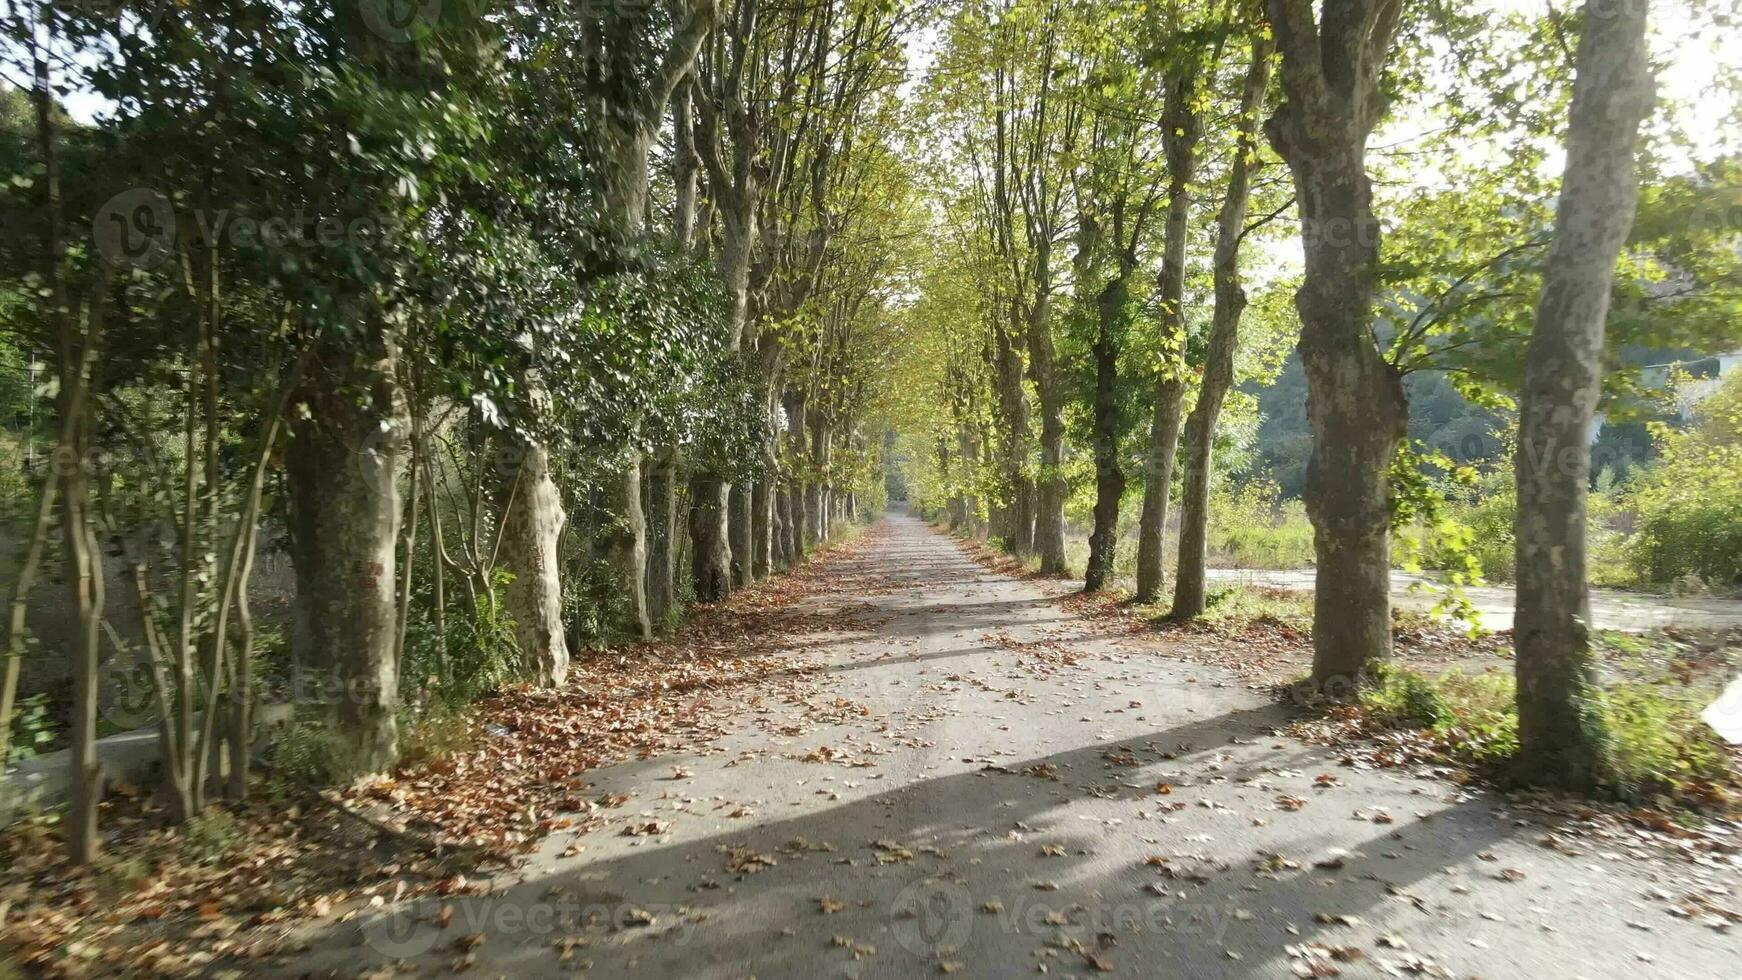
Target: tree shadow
[960, 883]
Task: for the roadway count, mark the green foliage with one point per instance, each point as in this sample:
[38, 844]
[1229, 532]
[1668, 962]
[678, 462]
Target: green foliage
[438, 734]
[32, 728]
[310, 753]
[480, 655]
[1658, 743]
[1252, 527]
[1655, 742]
[1690, 503]
[1471, 717]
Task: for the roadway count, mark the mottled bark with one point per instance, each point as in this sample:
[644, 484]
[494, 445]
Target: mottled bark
[761, 529]
[710, 552]
[342, 467]
[1013, 404]
[532, 524]
[1355, 400]
[1560, 732]
[739, 526]
[626, 548]
[1200, 432]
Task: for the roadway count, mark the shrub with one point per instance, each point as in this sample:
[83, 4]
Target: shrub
[1659, 744]
[1656, 742]
[1690, 503]
[1253, 527]
[209, 836]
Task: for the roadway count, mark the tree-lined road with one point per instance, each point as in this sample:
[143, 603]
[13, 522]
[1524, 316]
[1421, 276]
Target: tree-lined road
[982, 784]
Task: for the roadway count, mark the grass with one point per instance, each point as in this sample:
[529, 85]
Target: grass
[1658, 747]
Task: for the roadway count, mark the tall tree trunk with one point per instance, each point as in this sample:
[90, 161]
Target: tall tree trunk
[662, 533]
[739, 527]
[1355, 399]
[1200, 433]
[1182, 126]
[626, 548]
[1110, 313]
[1013, 400]
[532, 524]
[1051, 487]
[798, 524]
[761, 559]
[1560, 733]
[342, 467]
[710, 552]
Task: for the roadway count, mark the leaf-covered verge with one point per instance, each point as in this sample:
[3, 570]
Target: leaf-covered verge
[238, 885]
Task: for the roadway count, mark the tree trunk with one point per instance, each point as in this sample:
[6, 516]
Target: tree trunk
[1189, 593]
[1110, 311]
[1013, 401]
[1051, 488]
[1560, 732]
[342, 467]
[532, 524]
[710, 552]
[1182, 126]
[1355, 400]
[739, 527]
[662, 540]
[626, 549]
[761, 528]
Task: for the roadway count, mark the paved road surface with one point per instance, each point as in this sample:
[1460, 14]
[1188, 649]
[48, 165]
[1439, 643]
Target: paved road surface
[1611, 609]
[1015, 796]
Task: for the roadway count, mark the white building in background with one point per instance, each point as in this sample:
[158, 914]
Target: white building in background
[1704, 375]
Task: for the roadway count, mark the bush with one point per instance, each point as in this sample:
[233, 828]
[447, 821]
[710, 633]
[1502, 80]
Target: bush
[1657, 744]
[1471, 716]
[1690, 503]
[209, 836]
[1253, 527]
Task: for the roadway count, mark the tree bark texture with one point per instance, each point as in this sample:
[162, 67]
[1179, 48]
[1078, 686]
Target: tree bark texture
[1189, 592]
[532, 524]
[1560, 733]
[1355, 400]
[342, 466]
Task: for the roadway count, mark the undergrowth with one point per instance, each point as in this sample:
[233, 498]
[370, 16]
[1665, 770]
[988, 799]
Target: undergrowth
[1658, 747]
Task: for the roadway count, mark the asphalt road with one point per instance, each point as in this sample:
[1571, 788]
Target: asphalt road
[976, 807]
[1611, 609]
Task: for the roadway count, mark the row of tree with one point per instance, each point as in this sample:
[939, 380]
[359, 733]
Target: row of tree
[1112, 164]
[521, 324]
